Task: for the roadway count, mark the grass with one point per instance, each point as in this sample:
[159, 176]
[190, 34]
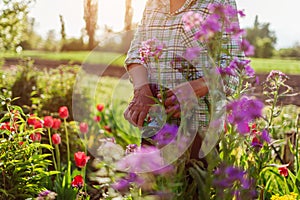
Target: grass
[260, 65]
[92, 57]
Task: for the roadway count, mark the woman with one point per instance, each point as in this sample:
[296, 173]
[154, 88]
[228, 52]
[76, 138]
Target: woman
[174, 69]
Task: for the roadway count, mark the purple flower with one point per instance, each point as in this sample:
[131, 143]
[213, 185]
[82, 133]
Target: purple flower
[192, 53]
[191, 19]
[145, 159]
[233, 179]
[247, 47]
[131, 148]
[249, 71]
[235, 30]
[265, 136]
[209, 28]
[275, 74]
[121, 185]
[166, 134]
[243, 111]
[151, 48]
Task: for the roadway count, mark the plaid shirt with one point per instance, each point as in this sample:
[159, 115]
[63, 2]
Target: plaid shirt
[159, 23]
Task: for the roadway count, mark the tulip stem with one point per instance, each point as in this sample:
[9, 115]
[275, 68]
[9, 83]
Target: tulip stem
[57, 156]
[50, 142]
[68, 149]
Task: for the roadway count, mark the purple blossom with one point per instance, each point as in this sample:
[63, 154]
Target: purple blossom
[131, 148]
[151, 48]
[192, 53]
[235, 30]
[166, 134]
[249, 71]
[233, 179]
[243, 111]
[209, 28]
[265, 136]
[122, 185]
[191, 19]
[145, 159]
[247, 47]
[275, 74]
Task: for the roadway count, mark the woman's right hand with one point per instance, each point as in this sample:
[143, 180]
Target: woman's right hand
[139, 106]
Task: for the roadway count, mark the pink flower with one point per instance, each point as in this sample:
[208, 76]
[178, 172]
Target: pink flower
[81, 159]
[63, 112]
[56, 139]
[100, 107]
[78, 181]
[48, 121]
[83, 127]
[56, 124]
[191, 19]
[247, 48]
[36, 137]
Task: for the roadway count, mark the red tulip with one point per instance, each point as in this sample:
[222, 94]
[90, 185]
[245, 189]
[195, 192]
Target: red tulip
[63, 112]
[38, 124]
[56, 123]
[83, 127]
[36, 137]
[56, 139]
[81, 159]
[78, 181]
[100, 107]
[97, 118]
[31, 119]
[283, 171]
[107, 128]
[48, 121]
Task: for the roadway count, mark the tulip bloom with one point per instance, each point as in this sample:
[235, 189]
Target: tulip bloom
[63, 112]
[78, 181]
[81, 159]
[36, 137]
[48, 121]
[56, 123]
[83, 127]
[56, 139]
[100, 107]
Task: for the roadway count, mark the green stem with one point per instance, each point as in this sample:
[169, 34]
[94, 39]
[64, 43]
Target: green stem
[57, 156]
[50, 142]
[68, 152]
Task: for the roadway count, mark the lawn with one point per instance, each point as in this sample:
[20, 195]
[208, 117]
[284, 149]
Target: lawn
[260, 65]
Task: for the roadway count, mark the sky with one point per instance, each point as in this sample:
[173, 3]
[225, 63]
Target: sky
[282, 15]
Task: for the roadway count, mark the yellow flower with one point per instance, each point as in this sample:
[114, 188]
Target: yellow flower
[292, 196]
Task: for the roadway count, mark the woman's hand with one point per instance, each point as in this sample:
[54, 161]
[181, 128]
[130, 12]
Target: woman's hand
[139, 106]
[184, 96]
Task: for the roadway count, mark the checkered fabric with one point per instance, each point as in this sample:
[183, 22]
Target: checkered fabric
[172, 69]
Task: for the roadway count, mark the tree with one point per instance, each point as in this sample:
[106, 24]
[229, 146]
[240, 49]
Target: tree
[62, 31]
[128, 16]
[90, 18]
[262, 38]
[13, 22]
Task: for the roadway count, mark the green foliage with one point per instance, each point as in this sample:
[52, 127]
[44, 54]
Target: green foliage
[13, 22]
[262, 38]
[293, 52]
[23, 168]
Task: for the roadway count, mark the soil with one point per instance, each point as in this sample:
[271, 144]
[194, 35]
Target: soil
[115, 71]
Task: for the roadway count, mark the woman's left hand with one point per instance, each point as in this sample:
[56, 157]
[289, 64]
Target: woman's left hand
[184, 96]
